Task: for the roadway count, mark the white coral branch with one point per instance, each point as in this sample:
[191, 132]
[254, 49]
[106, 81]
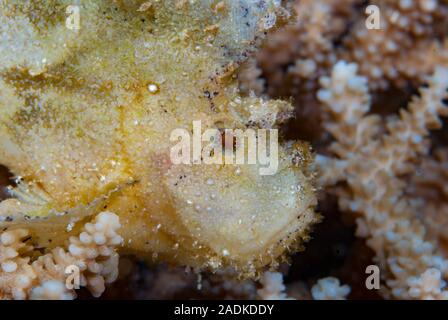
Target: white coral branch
[273, 287]
[330, 289]
[376, 191]
[93, 252]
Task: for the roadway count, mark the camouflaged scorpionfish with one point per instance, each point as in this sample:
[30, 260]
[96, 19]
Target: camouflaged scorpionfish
[86, 116]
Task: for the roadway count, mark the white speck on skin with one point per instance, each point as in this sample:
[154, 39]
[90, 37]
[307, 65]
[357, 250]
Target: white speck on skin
[153, 88]
[70, 226]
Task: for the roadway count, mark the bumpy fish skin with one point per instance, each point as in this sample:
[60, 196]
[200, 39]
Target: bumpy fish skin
[87, 114]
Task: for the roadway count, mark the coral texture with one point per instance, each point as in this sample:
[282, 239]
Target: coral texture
[411, 41]
[93, 253]
[273, 287]
[371, 160]
[429, 193]
[406, 48]
[325, 289]
[409, 44]
[329, 289]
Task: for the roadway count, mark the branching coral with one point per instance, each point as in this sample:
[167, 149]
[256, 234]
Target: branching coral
[325, 289]
[410, 43]
[273, 287]
[329, 289]
[92, 253]
[296, 56]
[86, 118]
[372, 163]
[429, 193]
